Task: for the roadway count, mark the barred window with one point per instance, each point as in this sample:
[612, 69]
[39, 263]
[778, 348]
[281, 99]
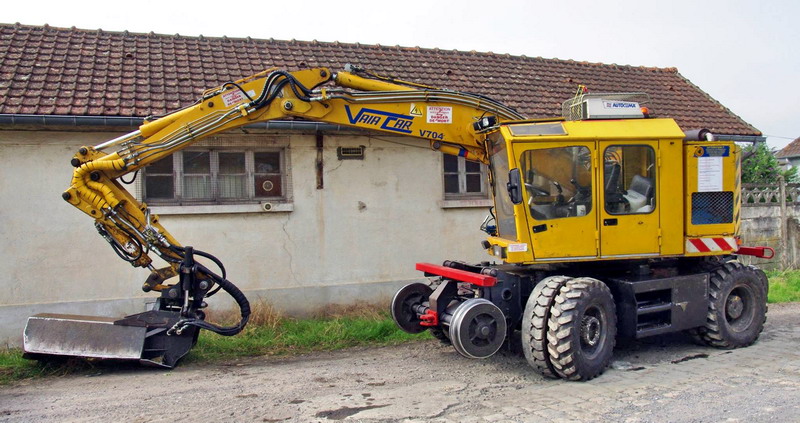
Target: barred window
[205, 176]
[463, 178]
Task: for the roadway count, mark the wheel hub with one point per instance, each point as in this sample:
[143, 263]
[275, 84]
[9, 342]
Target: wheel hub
[734, 307]
[590, 330]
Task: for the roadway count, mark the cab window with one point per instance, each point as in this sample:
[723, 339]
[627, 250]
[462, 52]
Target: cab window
[629, 179]
[558, 181]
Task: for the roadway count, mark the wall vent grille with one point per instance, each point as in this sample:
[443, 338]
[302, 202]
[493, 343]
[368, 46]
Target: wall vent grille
[350, 153]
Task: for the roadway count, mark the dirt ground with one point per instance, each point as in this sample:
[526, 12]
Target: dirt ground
[658, 379]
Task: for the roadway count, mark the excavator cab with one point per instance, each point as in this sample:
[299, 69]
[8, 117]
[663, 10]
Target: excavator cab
[573, 195]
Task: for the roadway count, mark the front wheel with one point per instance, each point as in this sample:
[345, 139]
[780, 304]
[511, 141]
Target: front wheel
[581, 330]
[533, 331]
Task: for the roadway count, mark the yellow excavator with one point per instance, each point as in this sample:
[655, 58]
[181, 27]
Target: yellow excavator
[605, 222]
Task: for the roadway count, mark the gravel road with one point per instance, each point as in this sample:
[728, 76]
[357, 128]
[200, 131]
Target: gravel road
[658, 379]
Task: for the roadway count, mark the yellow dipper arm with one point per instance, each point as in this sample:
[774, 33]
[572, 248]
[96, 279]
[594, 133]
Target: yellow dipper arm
[446, 119]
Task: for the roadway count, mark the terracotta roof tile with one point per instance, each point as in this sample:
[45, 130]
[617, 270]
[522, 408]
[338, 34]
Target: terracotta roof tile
[791, 150]
[47, 70]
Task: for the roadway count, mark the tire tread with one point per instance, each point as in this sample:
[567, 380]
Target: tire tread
[713, 333]
[562, 346]
[535, 322]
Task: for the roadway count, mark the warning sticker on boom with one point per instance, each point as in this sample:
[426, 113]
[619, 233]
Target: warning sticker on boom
[235, 97]
[440, 114]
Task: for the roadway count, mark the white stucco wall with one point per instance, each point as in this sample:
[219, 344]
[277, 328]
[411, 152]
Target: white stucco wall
[329, 248]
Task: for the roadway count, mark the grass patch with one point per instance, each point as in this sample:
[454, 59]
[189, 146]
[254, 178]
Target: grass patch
[333, 328]
[267, 333]
[13, 367]
[784, 286]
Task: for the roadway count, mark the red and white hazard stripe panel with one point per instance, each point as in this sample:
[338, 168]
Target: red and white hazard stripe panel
[705, 245]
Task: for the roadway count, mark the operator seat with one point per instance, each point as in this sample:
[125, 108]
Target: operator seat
[640, 194]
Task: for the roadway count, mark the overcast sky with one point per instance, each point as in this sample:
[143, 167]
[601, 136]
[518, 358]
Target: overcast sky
[743, 53]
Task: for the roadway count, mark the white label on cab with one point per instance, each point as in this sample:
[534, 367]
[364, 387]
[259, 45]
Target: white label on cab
[517, 248]
[709, 174]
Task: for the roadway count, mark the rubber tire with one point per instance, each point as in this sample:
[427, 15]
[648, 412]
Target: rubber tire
[718, 331]
[568, 357]
[533, 331]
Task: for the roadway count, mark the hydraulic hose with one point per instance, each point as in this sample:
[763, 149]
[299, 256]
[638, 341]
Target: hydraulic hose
[235, 293]
[222, 283]
[273, 88]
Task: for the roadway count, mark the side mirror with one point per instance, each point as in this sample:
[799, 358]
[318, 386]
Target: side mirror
[514, 186]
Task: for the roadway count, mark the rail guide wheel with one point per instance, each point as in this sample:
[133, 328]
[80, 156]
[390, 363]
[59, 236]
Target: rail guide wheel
[406, 303]
[478, 328]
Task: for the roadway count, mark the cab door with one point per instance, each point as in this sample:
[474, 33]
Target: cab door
[559, 181]
[629, 199]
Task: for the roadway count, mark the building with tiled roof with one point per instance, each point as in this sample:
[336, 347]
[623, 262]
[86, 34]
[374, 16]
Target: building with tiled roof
[791, 153]
[74, 72]
[294, 223]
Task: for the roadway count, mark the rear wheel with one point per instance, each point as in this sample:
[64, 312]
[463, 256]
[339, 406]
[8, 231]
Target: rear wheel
[737, 306]
[582, 329]
[534, 324]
